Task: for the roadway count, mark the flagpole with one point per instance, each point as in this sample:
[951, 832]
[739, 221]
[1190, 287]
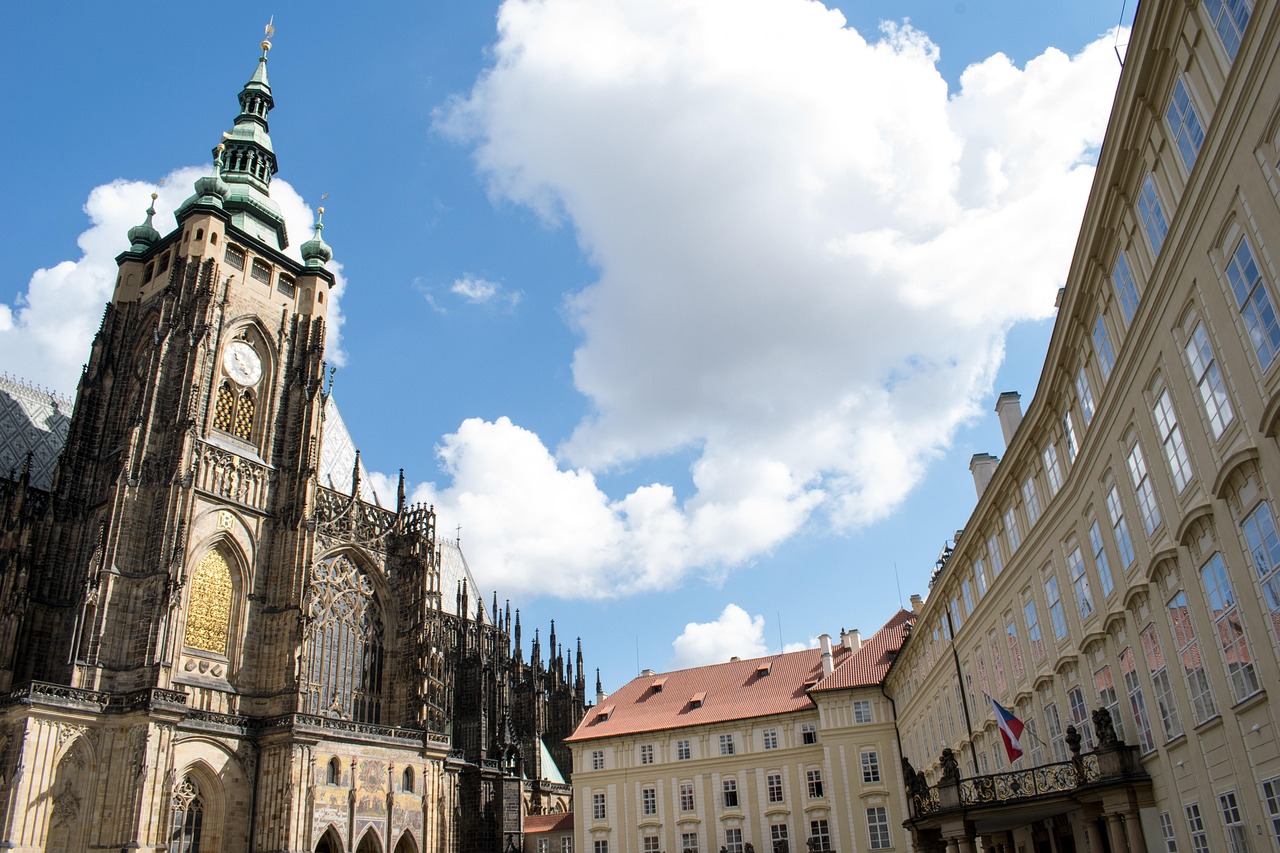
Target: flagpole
[964, 695]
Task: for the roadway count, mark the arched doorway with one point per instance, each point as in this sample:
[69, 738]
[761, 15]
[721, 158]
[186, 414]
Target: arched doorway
[406, 844]
[329, 842]
[369, 843]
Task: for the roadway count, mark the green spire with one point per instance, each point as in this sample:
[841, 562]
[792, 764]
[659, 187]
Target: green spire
[143, 237]
[316, 252]
[249, 158]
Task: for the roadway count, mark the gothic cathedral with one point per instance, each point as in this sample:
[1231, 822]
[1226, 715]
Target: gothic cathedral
[212, 636]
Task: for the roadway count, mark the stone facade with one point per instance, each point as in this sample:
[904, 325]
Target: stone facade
[208, 644]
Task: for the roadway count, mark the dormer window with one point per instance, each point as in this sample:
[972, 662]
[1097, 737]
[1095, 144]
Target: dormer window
[659, 683]
[698, 699]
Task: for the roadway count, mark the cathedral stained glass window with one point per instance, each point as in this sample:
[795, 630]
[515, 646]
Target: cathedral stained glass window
[344, 643]
[188, 817]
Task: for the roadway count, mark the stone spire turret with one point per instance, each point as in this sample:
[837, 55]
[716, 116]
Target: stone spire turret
[143, 237]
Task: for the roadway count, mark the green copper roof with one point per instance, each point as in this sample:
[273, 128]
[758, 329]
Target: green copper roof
[144, 236]
[316, 252]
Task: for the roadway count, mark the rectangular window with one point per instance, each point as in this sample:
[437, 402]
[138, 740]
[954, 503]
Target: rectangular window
[688, 842]
[686, 796]
[1109, 698]
[1011, 527]
[726, 744]
[683, 751]
[862, 711]
[780, 838]
[808, 733]
[957, 615]
[770, 737]
[1264, 552]
[980, 577]
[566, 844]
[1184, 637]
[997, 663]
[646, 753]
[1271, 796]
[1233, 823]
[261, 271]
[773, 785]
[1254, 303]
[1175, 449]
[651, 844]
[878, 828]
[1102, 346]
[1137, 700]
[819, 837]
[966, 592]
[597, 806]
[1100, 558]
[597, 759]
[1080, 715]
[1056, 614]
[649, 801]
[1037, 745]
[870, 766]
[1126, 289]
[814, 778]
[1166, 833]
[1226, 619]
[544, 845]
[601, 845]
[733, 840]
[1085, 392]
[1053, 727]
[234, 257]
[1209, 382]
[1031, 500]
[1120, 529]
[1142, 488]
[993, 554]
[730, 791]
[285, 285]
[1080, 583]
[1195, 823]
[1152, 215]
[1229, 17]
[1184, 124]
[1069, 436]
[1033, 629]
[1052, 469]
[1165, 703]
[1015, 648]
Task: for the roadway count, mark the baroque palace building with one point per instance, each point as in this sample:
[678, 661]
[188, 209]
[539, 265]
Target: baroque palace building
[1123, 556]
[213, 636]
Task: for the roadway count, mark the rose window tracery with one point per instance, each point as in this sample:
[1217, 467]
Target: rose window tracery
[344, 643]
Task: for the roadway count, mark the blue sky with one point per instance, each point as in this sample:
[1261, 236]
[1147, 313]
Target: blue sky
[689, 315]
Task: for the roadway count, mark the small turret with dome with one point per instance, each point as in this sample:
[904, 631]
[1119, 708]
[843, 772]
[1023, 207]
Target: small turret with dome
[143, 237]
[316, 252]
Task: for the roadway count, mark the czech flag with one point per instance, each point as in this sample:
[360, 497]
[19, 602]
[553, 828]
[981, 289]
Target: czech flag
[1010, 730]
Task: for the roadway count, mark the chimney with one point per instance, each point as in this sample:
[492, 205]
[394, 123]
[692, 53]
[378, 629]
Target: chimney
[855, 640]
[983, 467]
[1009, 408]
[824, 642]
[917, 603]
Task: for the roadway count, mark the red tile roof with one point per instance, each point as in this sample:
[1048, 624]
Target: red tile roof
[739, 689]
[548, 822]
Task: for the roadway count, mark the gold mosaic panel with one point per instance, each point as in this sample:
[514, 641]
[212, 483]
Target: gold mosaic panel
[223, 408]
[244, 417]
[209, 607]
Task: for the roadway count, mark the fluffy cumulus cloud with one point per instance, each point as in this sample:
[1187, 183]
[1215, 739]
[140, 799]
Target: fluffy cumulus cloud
[734, 633]
[480, 291]
[48, 328]
[809, 251]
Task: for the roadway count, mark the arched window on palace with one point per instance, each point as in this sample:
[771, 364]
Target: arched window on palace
[187, 818]
[209, 605]
[344, 643]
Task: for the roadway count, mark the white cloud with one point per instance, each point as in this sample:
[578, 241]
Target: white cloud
[734, 633]
[45, 335]
[809, 255]
[479, 291]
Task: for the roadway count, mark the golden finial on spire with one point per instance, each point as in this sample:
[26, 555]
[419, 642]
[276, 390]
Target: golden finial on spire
[269, 30]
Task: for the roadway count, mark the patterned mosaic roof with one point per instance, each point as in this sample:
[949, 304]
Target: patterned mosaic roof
[35, 421]
[453, 571]
[338, 458]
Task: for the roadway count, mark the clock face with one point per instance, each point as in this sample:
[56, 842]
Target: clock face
[242, 363]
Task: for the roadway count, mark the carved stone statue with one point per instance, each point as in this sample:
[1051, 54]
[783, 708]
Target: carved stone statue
[1073, 742]
[950, 767]
[1105, 728]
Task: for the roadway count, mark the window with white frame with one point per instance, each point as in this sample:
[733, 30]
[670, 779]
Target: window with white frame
[1053, 727]
[689, 842]
[1052, 469]
[980, 577]
[1184, 124]
[1137, 700]
[966, 593]
[1259, 529]
[686, 796]
[1142, 487]
[1120, 528]
[649, 801]
[651, 844]
[646, 753]
[598, 810]
[1271, 798]
[862, 711]
[1233, 823]
[1109, 698]
[1080, 583]
[600, 845]
[808, 733]
[597, 759]
[1069, 436]
[1254, 302]
[1015, 647]
[878, 828]
[870, 766]
[1126, 288]
[683, 750]
[1175, 449]
[1152, 215]
[729, 790]
[726, 744]
[814, 779]
[1011, 528]
[1167, 834]
[566, 844]
[1195, 824]
[1084, 392]
[1209, 382]
[1166, 705]
[780, 838]
[1037, 745]
[819, 836]
[733, 839]
[1229, 628]
[1191, 658]
[1080, 715]
[773, 787]
[1102, 347]
[1031, 500]
[1229, 17]
[1100, 558]
[770, 738]
[993, 554]
[1033, 627]
[1057, 615]
[544, 845]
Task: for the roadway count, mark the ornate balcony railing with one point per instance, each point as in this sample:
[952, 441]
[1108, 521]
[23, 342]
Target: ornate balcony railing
[1022, 784]
[228, 475]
